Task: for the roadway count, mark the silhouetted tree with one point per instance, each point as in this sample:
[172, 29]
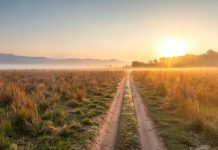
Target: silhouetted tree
[211, 52]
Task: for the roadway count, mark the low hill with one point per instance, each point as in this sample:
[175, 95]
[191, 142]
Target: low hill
[12, 59]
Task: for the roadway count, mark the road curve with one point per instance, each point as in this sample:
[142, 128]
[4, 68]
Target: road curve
[107, 136]
[149, 140]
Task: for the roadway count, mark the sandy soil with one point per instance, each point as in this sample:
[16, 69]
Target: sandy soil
[107, 135]
[149, 138]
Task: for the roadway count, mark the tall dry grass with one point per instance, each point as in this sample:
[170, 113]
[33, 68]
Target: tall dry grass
[37, 104]
[192, 94]
[24, 113]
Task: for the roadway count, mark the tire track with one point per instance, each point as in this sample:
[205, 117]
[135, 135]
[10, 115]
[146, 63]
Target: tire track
[149, 138]
[107, 135]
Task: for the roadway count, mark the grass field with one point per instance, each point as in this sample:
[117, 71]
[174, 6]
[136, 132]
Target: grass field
[53, 109]
[64, 109]
[183, 105]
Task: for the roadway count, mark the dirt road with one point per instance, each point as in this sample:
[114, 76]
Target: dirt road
[107, 136]
[149, 139]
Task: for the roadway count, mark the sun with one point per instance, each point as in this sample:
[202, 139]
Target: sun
[173, 47]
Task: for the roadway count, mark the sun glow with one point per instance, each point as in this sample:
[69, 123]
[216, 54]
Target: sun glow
[173, 47]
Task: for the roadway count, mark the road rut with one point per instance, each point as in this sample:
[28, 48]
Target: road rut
[149, 138]
[107, 135]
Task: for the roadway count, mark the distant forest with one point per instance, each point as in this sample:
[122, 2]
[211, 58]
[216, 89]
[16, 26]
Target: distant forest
[209, 59]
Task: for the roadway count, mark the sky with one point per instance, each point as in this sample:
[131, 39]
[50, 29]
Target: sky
[122, 29]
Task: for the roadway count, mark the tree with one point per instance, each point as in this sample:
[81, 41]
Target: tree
[211, 52]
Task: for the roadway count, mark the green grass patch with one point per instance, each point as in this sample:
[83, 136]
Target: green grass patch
[128, 133]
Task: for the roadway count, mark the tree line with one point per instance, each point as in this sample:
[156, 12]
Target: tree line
[208, 59]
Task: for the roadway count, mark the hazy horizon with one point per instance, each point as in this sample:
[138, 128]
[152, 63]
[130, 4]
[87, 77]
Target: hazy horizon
[130, 30]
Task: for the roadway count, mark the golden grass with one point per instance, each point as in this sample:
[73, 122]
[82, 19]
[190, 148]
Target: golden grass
[46, 104]
[191, 94]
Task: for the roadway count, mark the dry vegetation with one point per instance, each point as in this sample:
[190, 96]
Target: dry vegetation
[188, 97]
[53, 109]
